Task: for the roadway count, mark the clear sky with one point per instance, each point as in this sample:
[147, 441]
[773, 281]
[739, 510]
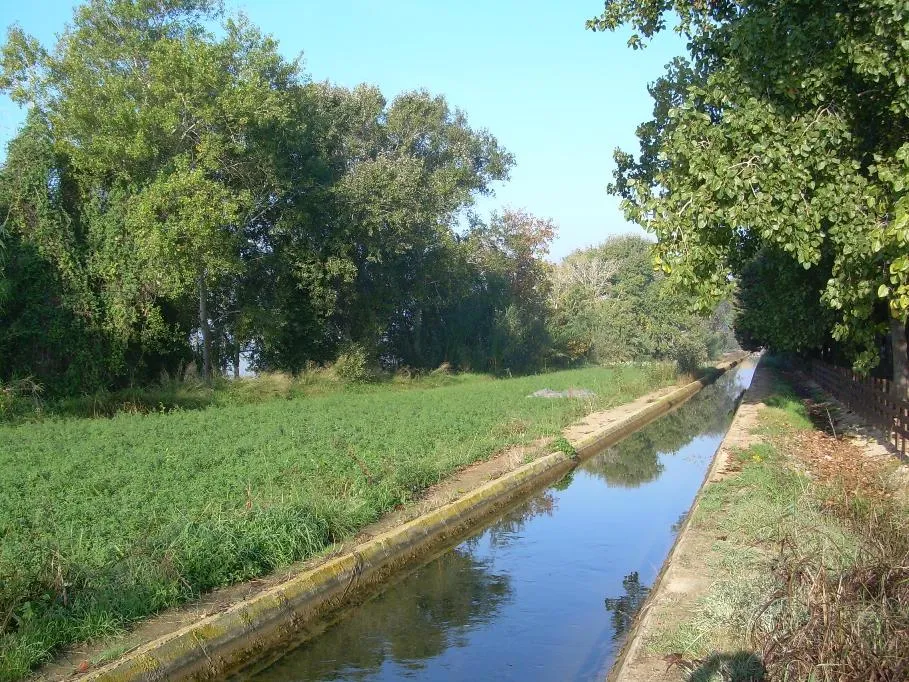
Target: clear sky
[559, 97]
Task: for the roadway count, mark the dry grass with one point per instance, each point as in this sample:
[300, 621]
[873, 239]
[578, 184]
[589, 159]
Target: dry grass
[847, 623]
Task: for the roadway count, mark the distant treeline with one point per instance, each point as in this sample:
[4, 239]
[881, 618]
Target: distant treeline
[180, 194]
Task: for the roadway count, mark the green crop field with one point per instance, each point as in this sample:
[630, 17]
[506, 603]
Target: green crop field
[106, 520]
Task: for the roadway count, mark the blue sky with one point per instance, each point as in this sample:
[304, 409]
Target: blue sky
[560, 98]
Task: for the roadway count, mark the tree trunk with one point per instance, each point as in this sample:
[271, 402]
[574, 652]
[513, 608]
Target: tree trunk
[237, 363]
[203, 325]
[900, 359]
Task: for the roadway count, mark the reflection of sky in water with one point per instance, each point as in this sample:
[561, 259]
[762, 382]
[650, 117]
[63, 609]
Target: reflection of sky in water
[526, 598]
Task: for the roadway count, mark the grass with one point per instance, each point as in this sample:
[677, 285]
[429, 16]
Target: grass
[747, 513]
[106, 520]
[23, 400]
[843, 615]
[811, 579]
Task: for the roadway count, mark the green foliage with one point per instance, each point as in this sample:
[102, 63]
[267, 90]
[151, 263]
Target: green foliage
[353, 364]
[19, 398]
[807, 575]
[489, 303]
[239, 490]
[41, 339]
[182, 192]
[689, 354]
[785, 128]
[609, 305]
[186, 187]
[780, 306]
[636, 459]
[157, 150]
[561, 444]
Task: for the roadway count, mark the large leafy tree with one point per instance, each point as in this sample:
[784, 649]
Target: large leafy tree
[785, 128]
[779, 304]
[377, 259]
[180, 186]
[511, 287]
[161, 128]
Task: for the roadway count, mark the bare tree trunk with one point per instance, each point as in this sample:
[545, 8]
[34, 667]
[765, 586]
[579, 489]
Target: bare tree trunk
[203, 325]
[237, 362]
[900, 358]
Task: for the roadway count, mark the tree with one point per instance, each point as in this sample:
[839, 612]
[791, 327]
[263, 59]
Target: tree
[786, 127]
[508, 254]
[375, 258]
[779, 305]
[609, 305]
[625, 608]
[160, 125]
[413, 621]
[183, 190]
[637, 460]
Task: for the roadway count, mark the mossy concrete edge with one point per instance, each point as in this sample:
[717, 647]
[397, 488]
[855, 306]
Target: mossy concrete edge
[222, 641]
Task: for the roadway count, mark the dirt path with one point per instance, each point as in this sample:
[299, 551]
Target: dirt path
[832, 455]
[83, 658]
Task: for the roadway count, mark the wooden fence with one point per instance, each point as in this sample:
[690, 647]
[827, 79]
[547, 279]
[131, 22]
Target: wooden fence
[868, 397]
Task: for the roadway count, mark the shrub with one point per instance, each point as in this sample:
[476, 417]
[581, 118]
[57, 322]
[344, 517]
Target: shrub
[19, 397]
[354, 364]
[842, 621]
[265, 386]
[688, 353]
[443, 369]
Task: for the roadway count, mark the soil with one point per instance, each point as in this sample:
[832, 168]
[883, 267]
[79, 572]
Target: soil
[849, 452]
[82, 658]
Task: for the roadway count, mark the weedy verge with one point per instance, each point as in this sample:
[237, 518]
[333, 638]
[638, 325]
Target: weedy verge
[810, 564]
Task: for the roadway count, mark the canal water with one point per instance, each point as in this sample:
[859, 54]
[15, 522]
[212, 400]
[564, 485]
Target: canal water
[548, 590]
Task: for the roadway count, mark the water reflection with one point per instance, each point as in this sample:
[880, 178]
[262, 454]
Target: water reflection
[636, 460]
[413, 621]
[626, 606]
[679, 522]
[523, 599]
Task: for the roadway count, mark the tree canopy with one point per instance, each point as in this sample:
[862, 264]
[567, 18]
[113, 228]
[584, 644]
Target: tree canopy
[180, 189]
[781, 136]
[610, 305]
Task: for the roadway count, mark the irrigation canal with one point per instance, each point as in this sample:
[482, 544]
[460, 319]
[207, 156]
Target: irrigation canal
[546, 591]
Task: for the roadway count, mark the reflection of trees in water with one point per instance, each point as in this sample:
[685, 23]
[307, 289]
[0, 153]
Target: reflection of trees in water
[417, 619]
[631, 463]
[565, 482]
[679, 522]
[626, 607]
[503, 531]
[420, 617]
[636, 461]
[423, 615]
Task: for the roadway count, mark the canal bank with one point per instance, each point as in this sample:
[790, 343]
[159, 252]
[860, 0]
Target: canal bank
[200, 641]
[685, 577]
[792, 563]
[548, 589]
